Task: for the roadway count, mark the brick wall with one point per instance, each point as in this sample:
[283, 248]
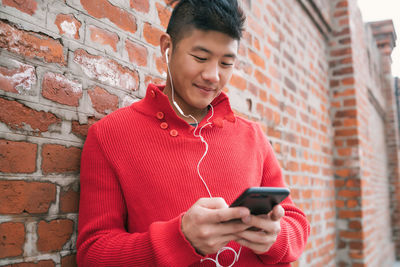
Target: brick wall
[309, 71]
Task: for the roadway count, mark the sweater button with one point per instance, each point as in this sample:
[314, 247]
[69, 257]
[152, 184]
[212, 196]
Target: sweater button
[173, 132]
[164, 125]
[160, 115]
[153, 93]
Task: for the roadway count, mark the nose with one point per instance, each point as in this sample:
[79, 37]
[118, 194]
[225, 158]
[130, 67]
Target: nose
[211, 72]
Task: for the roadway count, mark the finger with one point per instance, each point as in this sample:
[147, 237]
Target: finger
[228, 214]
[264, 223]
[212, 203]
[256, 248]
[277, 213]
[258, 237]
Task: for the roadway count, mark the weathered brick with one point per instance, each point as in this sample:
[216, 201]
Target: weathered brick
[152, 34]
[163, 14]
[60, 159]
[31, 197]
[60, 89]
[17, 80]
[12, 236]
[81, 130]
[68, 25]
[53, 235]
[26, 6]
[17, 157]
[238, 82]
[31, 44]
[16, 116]
[104, 37]
[104, 9]
[69, 201]
[140, 5]
[103, 102]
[161, 65]
[256, 59]
[137, 53]
[110, 72]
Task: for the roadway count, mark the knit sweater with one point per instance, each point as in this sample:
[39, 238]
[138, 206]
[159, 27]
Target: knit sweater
[139, 176]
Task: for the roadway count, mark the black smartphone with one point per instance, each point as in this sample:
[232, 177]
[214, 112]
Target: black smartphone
[261, 200]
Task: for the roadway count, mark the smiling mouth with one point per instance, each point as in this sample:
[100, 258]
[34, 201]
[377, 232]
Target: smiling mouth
[205, 88]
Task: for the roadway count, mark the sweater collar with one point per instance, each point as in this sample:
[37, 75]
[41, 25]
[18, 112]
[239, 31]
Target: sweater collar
[156, 103]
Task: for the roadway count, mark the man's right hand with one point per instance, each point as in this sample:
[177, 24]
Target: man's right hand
[210, 224]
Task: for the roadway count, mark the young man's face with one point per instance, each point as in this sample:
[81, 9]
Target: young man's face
[201, 64]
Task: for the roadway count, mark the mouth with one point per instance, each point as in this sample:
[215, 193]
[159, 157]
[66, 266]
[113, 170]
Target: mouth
[205, 88]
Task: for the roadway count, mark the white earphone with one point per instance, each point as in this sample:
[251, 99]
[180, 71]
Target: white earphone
[170, 76]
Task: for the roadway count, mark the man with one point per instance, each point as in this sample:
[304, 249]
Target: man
[157, 177]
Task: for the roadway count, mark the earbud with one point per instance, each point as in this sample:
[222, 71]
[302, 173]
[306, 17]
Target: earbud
[166, 55]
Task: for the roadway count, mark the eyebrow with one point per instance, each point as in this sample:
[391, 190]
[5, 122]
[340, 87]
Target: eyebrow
[201, 48]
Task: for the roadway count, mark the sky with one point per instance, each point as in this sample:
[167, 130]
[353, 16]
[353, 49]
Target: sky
[373, 10]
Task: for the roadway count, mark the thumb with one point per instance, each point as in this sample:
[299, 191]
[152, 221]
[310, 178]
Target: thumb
[277, 213]
[212, 203]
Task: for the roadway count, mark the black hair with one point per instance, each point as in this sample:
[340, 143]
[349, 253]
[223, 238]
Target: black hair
[224, 16]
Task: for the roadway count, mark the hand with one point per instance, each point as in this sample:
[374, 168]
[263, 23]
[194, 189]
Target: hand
[267, 230]
[208, 227]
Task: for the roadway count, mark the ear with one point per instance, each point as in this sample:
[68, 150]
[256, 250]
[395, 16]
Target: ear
[165, 43]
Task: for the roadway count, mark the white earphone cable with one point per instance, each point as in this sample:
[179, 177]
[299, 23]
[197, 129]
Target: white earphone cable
[237, 254]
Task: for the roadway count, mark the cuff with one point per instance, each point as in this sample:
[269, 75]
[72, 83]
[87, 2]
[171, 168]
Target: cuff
[170, 244]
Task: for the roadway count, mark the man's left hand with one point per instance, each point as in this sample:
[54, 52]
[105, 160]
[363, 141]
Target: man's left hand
[267, 228]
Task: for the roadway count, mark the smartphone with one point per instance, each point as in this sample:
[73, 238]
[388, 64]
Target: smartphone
[261, 200]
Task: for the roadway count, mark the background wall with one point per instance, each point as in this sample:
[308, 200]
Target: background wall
[310, 72]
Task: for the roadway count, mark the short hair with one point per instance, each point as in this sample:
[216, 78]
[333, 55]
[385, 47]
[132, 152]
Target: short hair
[225, 16]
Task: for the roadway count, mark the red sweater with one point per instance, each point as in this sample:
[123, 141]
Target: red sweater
[138, 177]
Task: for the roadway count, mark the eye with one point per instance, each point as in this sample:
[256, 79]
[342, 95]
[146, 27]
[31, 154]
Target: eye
[199, 58]
[227, 64]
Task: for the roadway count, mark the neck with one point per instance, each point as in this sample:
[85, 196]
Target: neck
[198, 114]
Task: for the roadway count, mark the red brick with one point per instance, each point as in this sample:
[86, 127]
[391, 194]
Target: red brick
[261, 78]
[54, 234]
[31, 44]
[81, 130]
[104, 37]
[348, 81]
[17, 157]
[60, 89]
[289, 84]
[137, 53]
[16, 116]
[69, 261]
[18, 79]
[256, 59]
[32, 197]
[140, 5]
[44, 263]
[351, 235]
[110, 73]
[349, 193]
[163, 14]
[151, 34]
[12, 236]
[103, 102]
[104, 9]
[349, 214]
[69, 201]
[341, 52]
[238, 82]
[68, 25]
[161, 65]
[355, 225]
[26, 6]
[60, 159]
